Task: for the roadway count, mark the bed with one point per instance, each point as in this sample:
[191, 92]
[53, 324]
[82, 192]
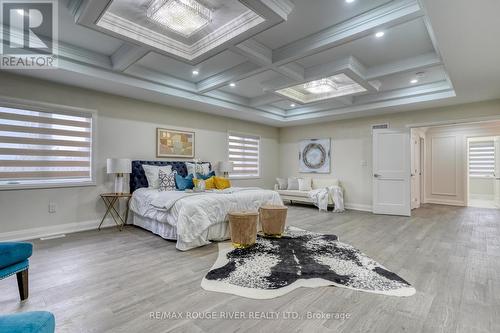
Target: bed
[190, 219]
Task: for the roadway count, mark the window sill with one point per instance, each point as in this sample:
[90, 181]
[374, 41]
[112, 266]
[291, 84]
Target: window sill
[40, 186]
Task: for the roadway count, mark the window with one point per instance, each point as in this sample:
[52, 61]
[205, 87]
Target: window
[243, 151]
[482, 158]
[40, 149]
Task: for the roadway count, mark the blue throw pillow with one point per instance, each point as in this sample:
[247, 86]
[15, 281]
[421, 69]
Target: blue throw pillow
[205, 177]
[184, 183]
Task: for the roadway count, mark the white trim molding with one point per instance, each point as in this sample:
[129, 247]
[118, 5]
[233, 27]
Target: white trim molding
[49, 231]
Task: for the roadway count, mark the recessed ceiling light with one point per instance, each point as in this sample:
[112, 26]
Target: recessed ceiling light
[292, 105]
[195, 72]
[349, 1]
[380, 34]
[232, 84]
[414, 81]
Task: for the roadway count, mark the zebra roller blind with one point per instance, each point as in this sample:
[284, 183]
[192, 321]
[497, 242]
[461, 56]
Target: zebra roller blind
[44, 147]
[243, 151]
[482, 158]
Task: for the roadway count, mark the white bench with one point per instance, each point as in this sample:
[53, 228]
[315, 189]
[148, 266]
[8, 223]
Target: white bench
[303, 196]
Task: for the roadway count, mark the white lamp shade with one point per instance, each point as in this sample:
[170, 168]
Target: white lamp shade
[119, 165]
[225, 166]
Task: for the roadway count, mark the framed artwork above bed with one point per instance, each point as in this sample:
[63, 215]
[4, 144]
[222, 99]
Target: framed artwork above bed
[174, 143]
[314, 155]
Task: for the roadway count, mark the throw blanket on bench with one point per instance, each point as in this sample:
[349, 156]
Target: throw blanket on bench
[321, 197]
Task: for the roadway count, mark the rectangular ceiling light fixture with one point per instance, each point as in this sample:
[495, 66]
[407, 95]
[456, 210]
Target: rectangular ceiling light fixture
[182, 16]
[325, 88]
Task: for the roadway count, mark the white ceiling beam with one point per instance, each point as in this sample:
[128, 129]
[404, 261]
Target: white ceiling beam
[273, 110]
[151, 75]
[155, 87]
[254, 52]
[381, 96]
[236, 73]
[127, 55]
[393, 13]
[357, 111]
[292, 70]
[404, 92]
[387, 15]
[265, 100]
[417, 63]
[276, 10]
[262, 55]
[87, 12]
[349, 65]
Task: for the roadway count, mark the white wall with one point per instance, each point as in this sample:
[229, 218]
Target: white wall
[482, 188]
[446, 162]
[125, 128]
[352, 144]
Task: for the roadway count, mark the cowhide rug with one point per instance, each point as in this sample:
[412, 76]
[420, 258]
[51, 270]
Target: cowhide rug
[276, 266]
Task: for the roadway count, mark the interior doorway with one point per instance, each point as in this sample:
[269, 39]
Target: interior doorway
[484, 171]
[456, 164]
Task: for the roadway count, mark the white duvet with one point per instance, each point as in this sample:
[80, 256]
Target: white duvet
[193, 213]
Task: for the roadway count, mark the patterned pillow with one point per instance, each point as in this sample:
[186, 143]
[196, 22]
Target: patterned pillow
[203, 168]
[151, 172]
[166, 181]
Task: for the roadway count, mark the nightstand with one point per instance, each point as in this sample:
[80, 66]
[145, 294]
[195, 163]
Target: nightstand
[110, 200]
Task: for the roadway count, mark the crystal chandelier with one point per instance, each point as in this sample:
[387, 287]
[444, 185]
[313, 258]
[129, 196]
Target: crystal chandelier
[321, 86]
[182, 16]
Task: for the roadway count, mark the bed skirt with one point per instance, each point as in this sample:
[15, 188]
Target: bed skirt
[217, 232]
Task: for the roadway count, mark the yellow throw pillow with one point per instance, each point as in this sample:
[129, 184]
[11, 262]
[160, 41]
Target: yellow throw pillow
[222, 183]
[209, 183]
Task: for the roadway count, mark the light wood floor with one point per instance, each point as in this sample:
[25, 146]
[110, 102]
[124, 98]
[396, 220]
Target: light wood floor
[111, 281]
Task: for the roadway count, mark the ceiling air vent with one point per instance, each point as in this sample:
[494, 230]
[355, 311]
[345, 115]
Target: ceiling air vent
[380, 126]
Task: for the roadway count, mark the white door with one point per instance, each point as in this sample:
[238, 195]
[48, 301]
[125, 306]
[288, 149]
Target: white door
[415, 171]
[391, 172]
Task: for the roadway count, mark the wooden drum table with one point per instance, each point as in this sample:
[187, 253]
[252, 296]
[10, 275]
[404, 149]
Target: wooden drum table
[243, 228]
[273, 220]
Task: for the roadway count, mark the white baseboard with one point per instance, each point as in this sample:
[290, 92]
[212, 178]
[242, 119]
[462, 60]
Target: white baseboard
[35, 233]
[445, 202]
[47, 231]
[360, 207]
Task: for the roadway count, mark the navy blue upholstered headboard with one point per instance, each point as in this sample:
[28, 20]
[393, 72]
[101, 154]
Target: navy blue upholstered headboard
[138, 177]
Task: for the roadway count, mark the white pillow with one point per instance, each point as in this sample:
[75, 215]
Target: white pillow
[282, 183]
[152, 174]
[203, 168]
[293, 184]
[305, 184]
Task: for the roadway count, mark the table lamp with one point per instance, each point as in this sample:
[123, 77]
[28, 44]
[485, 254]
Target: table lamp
[226, 168]
[119, 166]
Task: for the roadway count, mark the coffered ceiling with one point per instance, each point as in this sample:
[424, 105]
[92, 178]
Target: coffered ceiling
[279, 62]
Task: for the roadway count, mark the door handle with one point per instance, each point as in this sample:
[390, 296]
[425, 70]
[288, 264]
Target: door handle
[376, 175]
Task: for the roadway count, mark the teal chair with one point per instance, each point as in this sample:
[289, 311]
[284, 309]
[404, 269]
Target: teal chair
[28, 322]
[14, 260]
